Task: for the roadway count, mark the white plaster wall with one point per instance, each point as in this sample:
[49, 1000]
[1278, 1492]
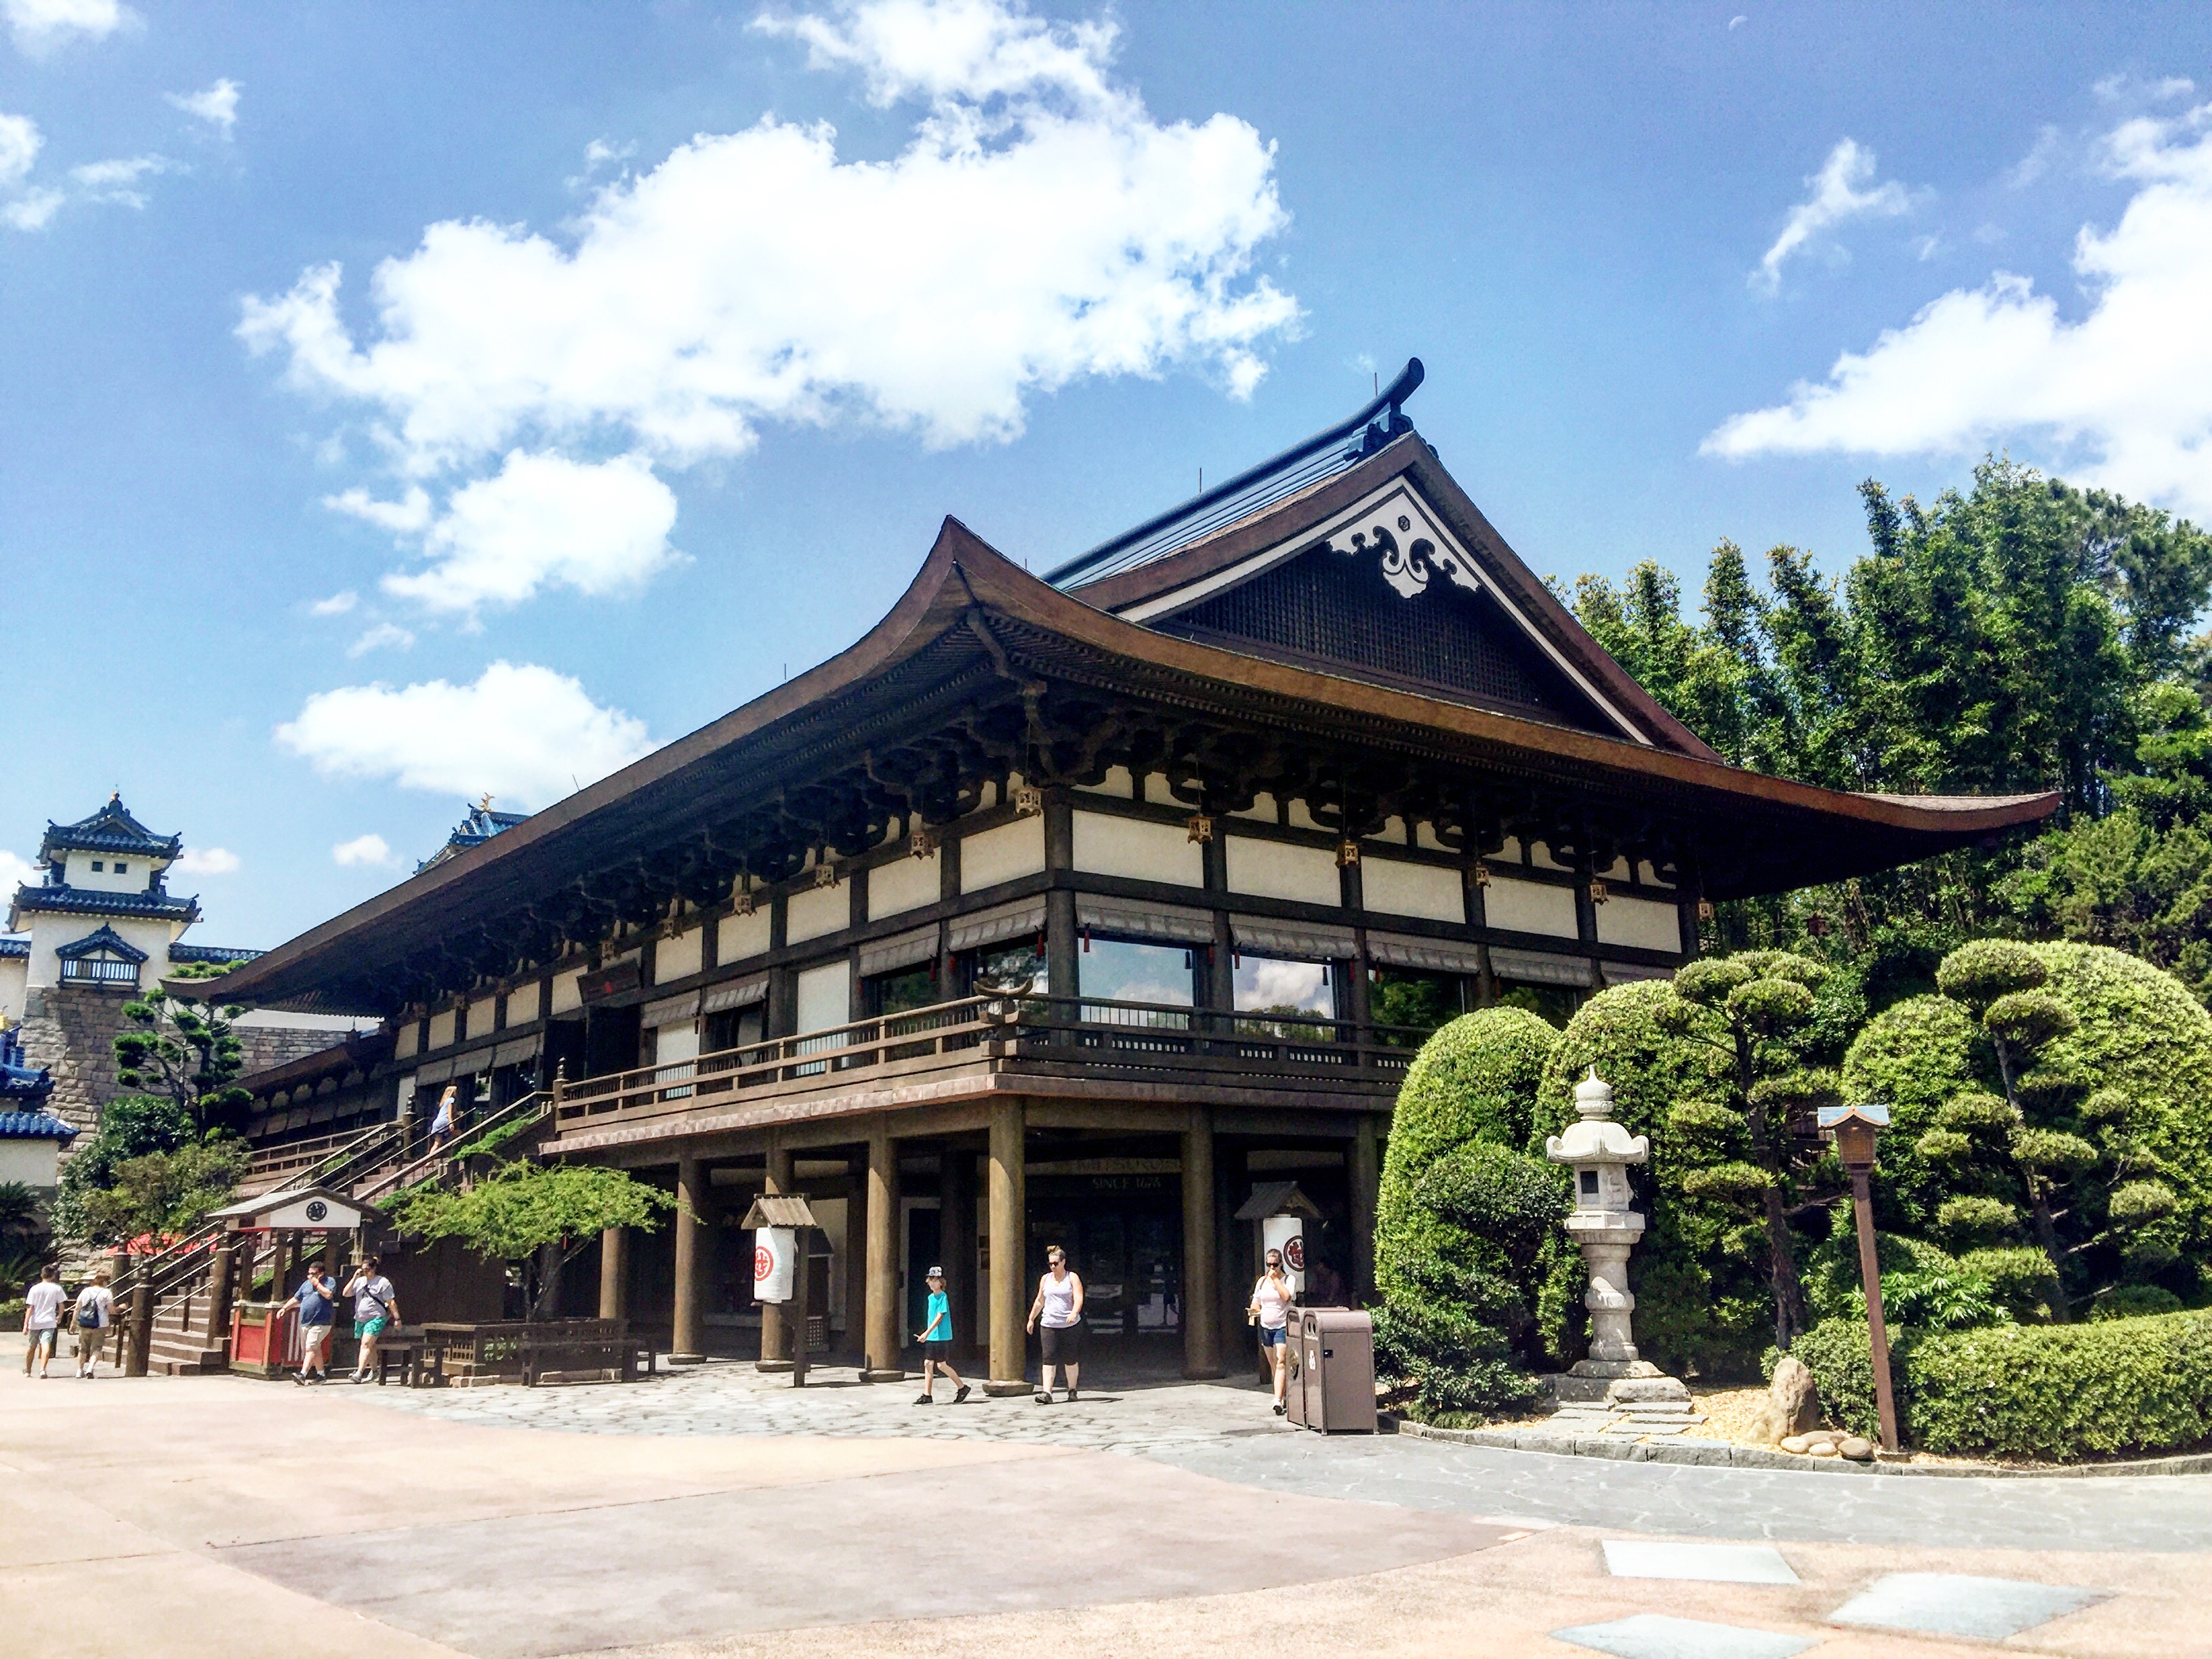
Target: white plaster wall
[826, 996]
[1135, 848]
[34, 1163]
[566, 993]
[678, 957]
[405, 1041]
[77, 871]
[1003, 854]
[905, 884]
[13, 970]
[1274, 869]
[1529, 906]
[1399, 889]
[1300, 818]
[1118, 781]
[1540, 856]
[813, 911]
[441, 1030]
[1645, 924]
[50, 932]
[522, 1003]
[740, 936]
[1262, 810]
[677, 1042]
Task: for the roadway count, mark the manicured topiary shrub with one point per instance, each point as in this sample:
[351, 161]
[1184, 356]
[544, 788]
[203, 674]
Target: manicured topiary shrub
[2053, 1393]
[1466, 1226]
[1699, 1274]
[2104, 1164]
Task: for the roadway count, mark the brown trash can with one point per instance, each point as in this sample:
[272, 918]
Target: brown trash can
[1332, 1382]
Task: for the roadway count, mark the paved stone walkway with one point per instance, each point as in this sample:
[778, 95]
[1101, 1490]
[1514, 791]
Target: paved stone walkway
[1225, 1430]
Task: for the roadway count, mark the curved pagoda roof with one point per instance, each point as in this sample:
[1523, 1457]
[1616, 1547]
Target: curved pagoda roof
[58, 898]
[111, 829]
[980, 669]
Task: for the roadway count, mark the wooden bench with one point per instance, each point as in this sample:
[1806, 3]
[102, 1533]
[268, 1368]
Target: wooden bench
[526, 1351]
[548, 1348]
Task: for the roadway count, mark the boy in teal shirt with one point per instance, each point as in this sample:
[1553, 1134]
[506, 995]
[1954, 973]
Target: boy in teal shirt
[936, 1340]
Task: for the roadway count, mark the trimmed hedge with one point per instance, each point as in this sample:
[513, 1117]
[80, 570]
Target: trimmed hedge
[2051, 1393]
[1466, 1224]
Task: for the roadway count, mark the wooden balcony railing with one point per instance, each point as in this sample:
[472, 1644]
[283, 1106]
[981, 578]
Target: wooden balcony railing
[1060, 1033]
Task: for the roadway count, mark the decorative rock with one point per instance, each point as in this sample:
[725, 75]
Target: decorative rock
[1793, 1405]
[1856, 1448]
[1796, 1443]
[1821, 1448]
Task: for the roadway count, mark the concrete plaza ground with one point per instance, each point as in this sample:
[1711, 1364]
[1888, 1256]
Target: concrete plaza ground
[716, 1511]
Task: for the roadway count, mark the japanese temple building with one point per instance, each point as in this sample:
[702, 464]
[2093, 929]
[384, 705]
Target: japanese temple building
[1067, 909]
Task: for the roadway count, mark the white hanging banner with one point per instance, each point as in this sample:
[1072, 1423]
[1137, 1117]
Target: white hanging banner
[1286, 1233]
[776, 1256]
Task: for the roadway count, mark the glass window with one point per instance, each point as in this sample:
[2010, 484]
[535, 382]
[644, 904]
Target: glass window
[98, 864]
[1416, 1002]
[1273, 985]
[121, 868]
[733, 1028]
[1556, 1003]
[896, 993]
[1006, 967]
[1123, 970]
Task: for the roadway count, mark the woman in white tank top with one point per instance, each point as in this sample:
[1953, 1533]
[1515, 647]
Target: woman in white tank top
[1271, 1312]
[1059, 1306]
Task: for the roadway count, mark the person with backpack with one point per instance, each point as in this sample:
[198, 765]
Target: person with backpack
[95, 1317]
[317, 1299]
[375, 1310]
[42, 1317]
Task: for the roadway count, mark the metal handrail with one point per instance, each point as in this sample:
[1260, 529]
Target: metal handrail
[531, 1106]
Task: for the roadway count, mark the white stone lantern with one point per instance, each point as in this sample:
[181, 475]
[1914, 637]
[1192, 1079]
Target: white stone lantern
[1599, 1150]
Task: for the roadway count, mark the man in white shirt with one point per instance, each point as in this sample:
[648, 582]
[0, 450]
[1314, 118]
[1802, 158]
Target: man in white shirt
[95, 1321]
[42, 1317]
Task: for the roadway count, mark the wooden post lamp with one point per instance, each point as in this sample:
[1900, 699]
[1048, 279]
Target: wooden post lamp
[1853, 1129]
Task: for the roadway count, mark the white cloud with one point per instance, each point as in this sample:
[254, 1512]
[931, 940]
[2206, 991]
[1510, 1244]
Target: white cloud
[32, 210]
[40, 26]
[2048, 147]
[1039, 227]
[217, 105]
[544, 521]
[337, 605]
[208, 861]
[1839, 193]
[522, 732]
[15, 871]
[411, 511]
[382, 637]
[371, 849]
[2130, 383]
[20, 144]
[118, 180]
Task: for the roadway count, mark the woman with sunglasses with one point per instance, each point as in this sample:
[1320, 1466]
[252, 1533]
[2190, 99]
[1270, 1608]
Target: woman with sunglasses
[1271, 1312]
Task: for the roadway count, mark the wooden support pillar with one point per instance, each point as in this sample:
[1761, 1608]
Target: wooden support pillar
[222, 1275]
[956, 1246]
[1009, 1237]
[1060, 936]
[775, 1332]
[614, 1272]
[287, 1254]
[1366, 1173]
[883, 1315]
[855, 1265]
[686, 1347]
[140, 1344]
[1201, 1253]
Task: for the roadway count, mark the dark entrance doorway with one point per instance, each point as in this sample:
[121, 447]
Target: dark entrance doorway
[1120, 1223]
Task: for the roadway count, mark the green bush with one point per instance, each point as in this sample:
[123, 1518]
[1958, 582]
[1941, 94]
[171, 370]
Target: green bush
[1699, 1274]
[2120, 1107]
[1465, 1228]
[2054, 1393]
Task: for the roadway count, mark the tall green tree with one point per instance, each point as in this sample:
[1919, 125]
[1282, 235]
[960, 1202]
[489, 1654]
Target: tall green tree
[187, 1052]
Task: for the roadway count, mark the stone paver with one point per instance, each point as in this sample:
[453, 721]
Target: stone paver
[1954, 1604]
[1225, 1430]
[1654, 1636]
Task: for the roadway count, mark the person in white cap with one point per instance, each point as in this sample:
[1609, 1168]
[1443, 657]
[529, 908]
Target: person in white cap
[936, 1340]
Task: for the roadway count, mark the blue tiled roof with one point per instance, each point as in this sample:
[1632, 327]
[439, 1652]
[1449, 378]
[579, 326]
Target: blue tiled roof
[34, 1126]
[58, 898]
[111, 829]
[211, 953]
[15, 947]
[481, 824]
[101, 938]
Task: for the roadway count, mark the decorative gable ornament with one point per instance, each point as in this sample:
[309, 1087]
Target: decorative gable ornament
[1412, 548]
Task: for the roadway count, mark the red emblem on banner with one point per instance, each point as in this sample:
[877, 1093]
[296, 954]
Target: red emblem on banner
[763, 1263]
[1294, 1253]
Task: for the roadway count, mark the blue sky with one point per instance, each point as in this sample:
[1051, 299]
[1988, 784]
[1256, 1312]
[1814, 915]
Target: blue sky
[692, 326]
